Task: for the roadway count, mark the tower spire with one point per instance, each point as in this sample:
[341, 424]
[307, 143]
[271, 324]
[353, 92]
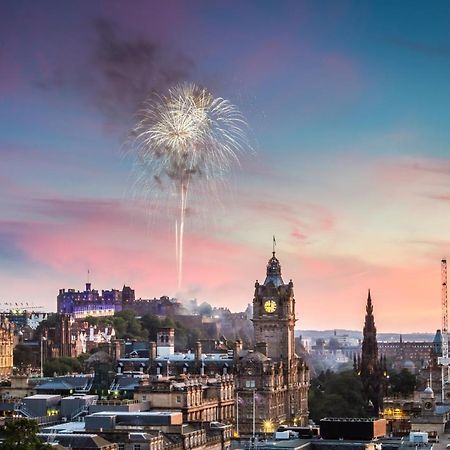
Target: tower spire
[371, 370]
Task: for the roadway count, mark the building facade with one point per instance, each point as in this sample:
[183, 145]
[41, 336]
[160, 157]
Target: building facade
[6, 346]
[200, 399]
[272, 382]
[89, 302]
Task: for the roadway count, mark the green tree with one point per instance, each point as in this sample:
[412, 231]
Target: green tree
[402, 383]
[128, 326]
[336, 395]
[62, 366]
[20, 434]
[92, 321]
[151, 323]
[23, 356]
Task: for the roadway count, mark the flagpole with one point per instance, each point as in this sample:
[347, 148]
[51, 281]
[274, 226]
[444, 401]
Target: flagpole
[254, 414]
[237, 413]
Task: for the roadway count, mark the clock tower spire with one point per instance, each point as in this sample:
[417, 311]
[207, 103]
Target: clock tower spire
[274, 313]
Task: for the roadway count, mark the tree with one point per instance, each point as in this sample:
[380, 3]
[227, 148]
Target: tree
[151, 323]
[20, 434]
[92, 321]
[128, 326]
[403, 382]
[62, 366]
[336, 395]
[23, 356]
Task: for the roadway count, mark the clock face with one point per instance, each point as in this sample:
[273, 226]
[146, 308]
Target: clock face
[270, 306]
[428, 405]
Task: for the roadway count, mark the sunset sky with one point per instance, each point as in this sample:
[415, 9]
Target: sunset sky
[349, 109]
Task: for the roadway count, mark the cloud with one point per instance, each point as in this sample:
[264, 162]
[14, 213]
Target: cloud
[440, 197]
[442, 51]
[305, 219]
[121, 71]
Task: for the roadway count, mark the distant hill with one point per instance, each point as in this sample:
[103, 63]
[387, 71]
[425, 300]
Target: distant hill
[391, 337]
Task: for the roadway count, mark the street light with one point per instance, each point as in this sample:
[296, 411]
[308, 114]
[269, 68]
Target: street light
[43, 338]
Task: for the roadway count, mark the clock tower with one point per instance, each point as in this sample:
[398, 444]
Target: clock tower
[274, 314]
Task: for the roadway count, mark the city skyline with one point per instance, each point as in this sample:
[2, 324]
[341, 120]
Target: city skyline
[348, 108]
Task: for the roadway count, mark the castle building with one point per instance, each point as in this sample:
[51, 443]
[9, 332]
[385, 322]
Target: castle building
[89, 302]
[6, 346]
[370, 367]
[272, 382]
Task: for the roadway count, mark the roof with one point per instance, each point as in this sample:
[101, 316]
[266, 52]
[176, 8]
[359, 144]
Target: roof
[81, 441]
[137, 413]
[253, 356]
[273, 272]
[42, 396]
[183, 357]
[65, 382]
[67, 427]
[442, 409]
[55, 385]
[125, 382]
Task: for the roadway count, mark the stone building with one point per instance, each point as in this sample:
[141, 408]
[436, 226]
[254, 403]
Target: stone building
[272, 382]
[67, 337]
[200, 399]
[6, 346]
[412, 356]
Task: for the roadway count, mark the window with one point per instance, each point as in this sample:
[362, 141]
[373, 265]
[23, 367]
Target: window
[121, 446]
[137, 447]
[250, 384]
[178, 398]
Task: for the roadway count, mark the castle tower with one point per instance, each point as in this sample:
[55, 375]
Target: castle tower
[371, 368]
[274, 314]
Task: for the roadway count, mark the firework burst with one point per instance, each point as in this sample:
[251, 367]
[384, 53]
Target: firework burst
[185, 137]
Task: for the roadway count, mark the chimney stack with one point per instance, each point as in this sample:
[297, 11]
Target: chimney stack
[261, 347]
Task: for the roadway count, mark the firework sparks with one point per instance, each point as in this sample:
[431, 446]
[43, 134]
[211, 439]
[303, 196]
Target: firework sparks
[185, 137]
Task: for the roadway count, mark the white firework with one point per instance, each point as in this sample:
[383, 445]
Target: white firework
[184, 137]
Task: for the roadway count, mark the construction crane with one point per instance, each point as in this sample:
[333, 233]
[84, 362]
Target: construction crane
[444, 360]
[6, 307]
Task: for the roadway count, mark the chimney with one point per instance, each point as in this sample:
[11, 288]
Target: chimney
[165, 339]
[198, 351]
[152, 351]
[237, 348]
[117, 348]
[261, 347]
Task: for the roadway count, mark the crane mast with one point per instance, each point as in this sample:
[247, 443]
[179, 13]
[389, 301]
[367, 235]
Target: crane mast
[444, 359]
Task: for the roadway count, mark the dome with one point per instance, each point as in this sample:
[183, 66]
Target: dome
[408, 364]
[273, 272]
[428, 391]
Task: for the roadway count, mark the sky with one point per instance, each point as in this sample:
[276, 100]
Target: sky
[348, 109]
